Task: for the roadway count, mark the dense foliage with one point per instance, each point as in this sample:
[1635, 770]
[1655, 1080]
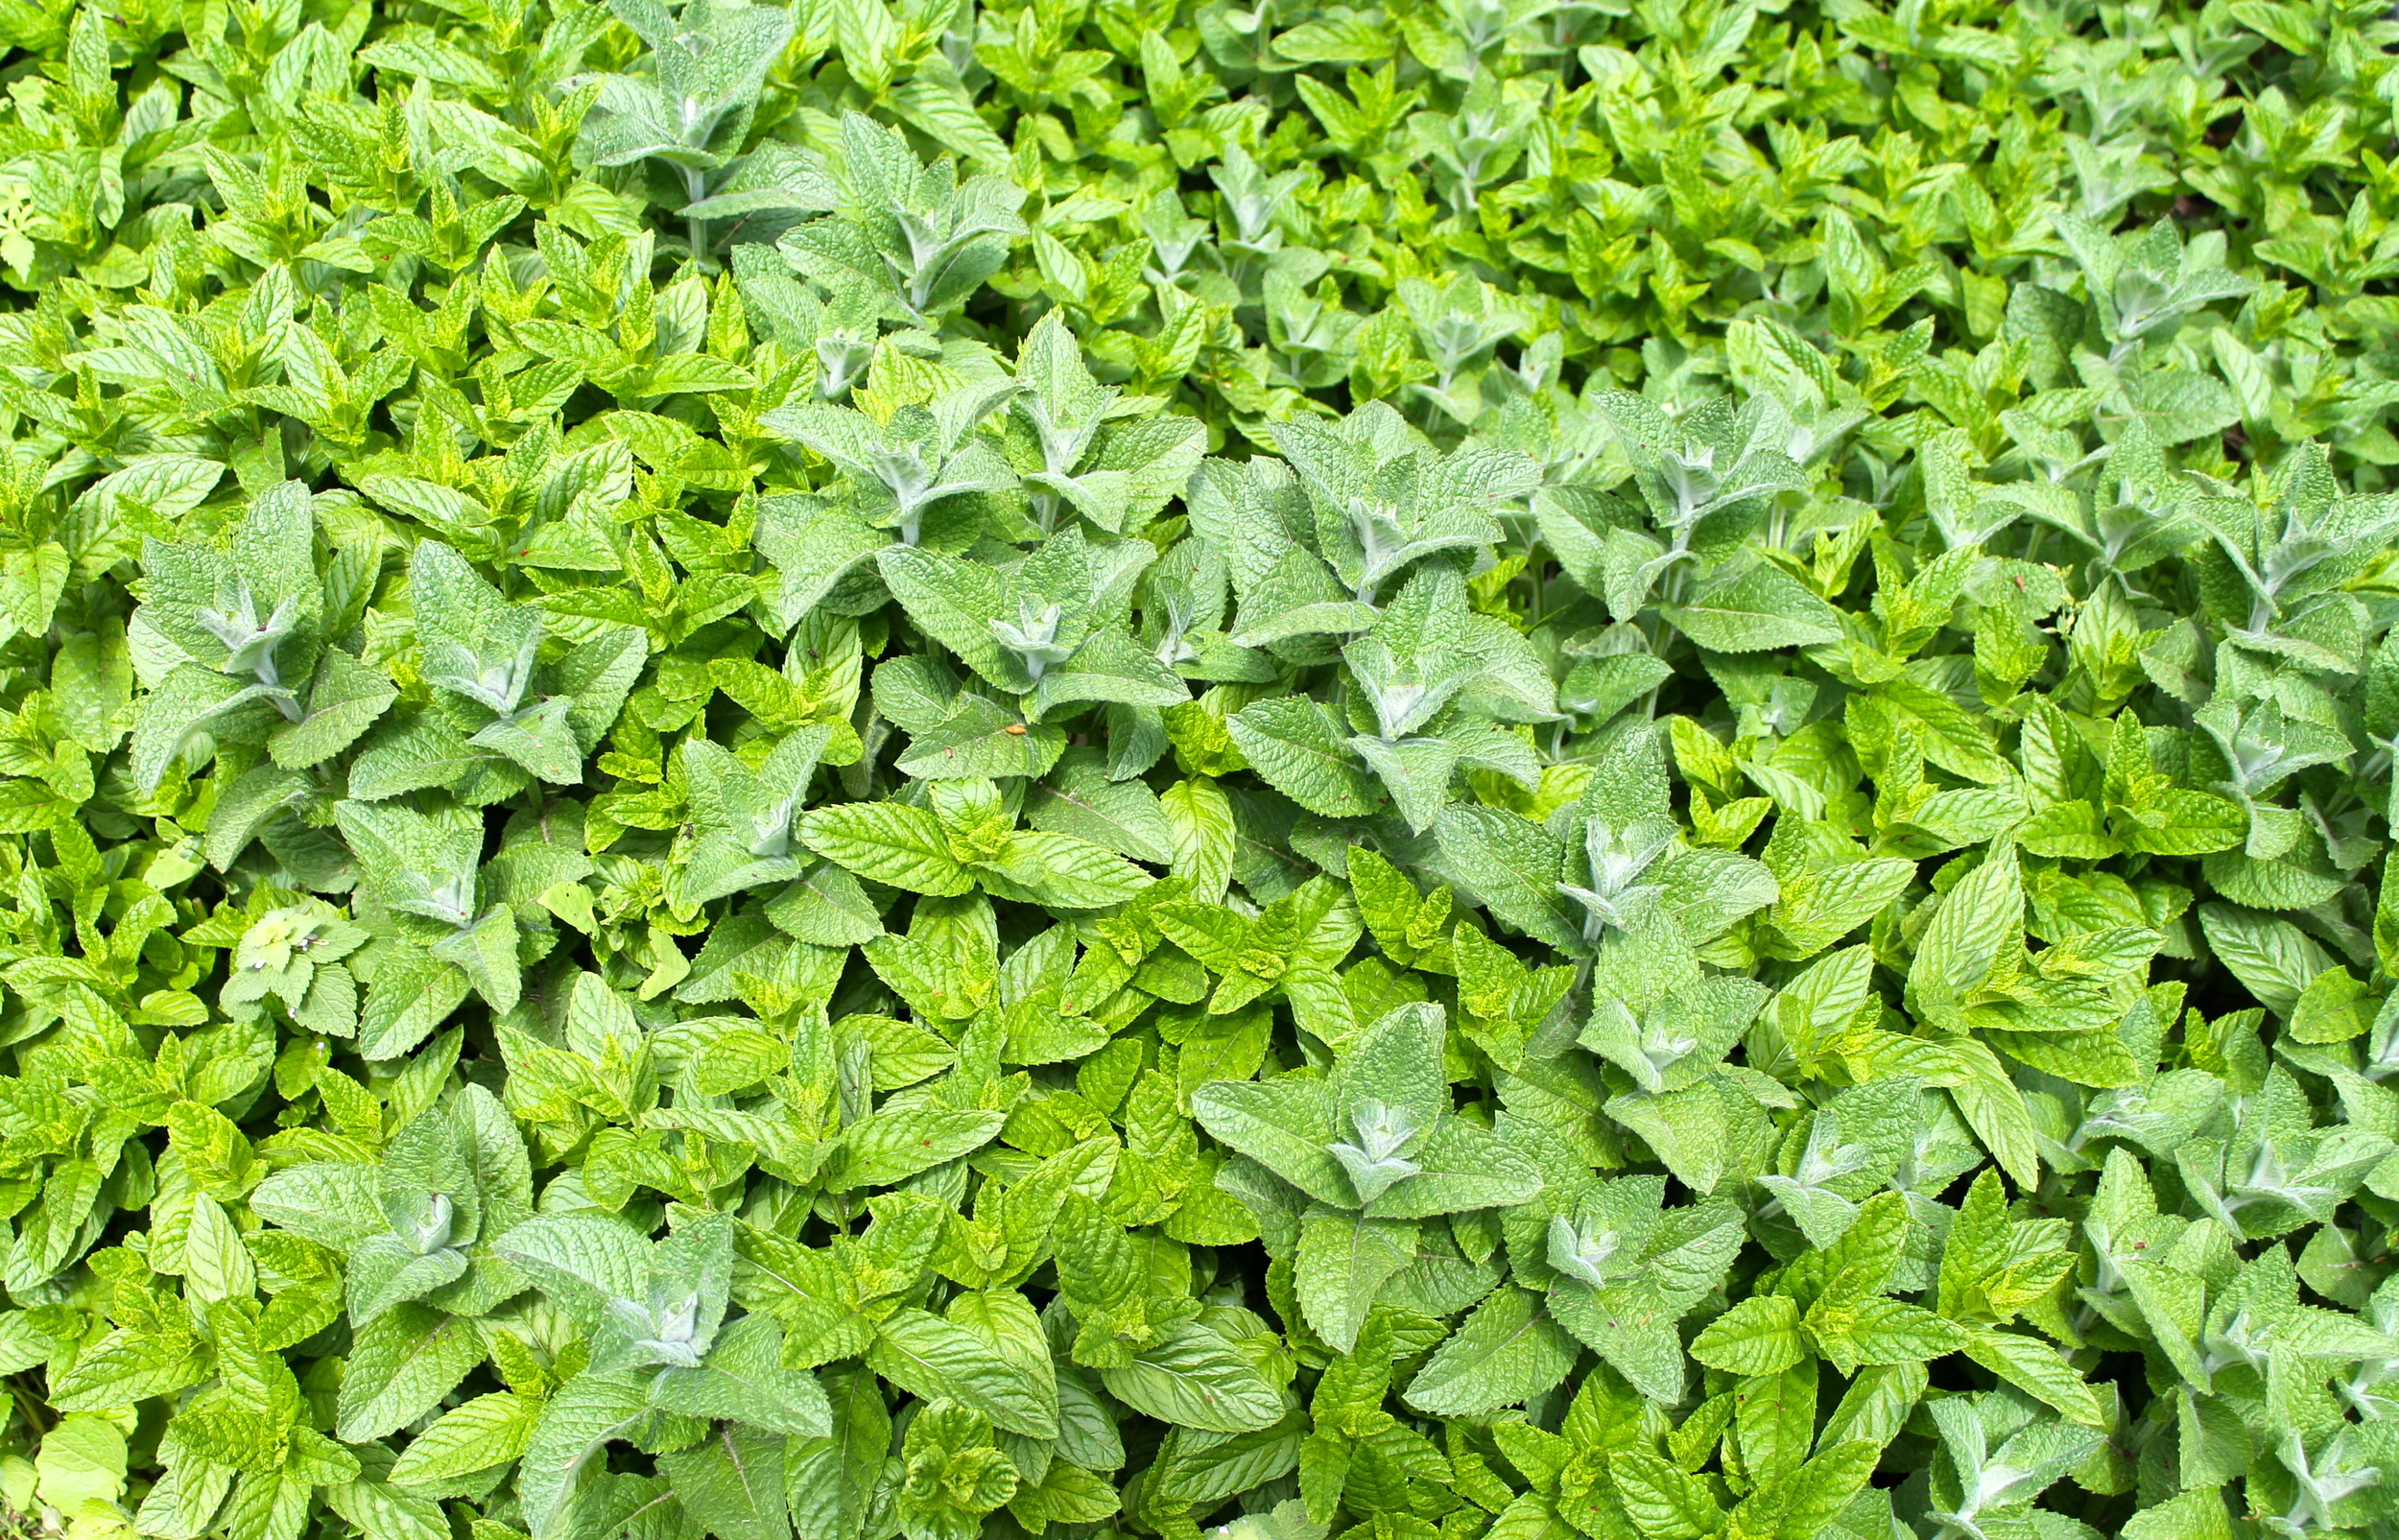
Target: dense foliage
[1544, 768]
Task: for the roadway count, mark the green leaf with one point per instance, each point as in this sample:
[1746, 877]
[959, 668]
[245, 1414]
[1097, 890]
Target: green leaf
[1758, 1336]
[2035, 1368]
[1755, 610]
[1344, 1262]
[1194, 1378]
[732, 1484]
[1508, 1351]
[744, 1380]
[344, 698]
[888, 842]
[1284, 1124]
[490, 1430]
[1292, 742]
[405, 1361]
[1977, 918]
[579, 1421]
[937, 1359]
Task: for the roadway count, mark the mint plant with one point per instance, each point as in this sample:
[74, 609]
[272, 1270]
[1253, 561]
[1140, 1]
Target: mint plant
[1297, 772]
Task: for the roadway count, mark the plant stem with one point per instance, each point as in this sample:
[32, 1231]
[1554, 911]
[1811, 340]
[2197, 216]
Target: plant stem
[695, 226]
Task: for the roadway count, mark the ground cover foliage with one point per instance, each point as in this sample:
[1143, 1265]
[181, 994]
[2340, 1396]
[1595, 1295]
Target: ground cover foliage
[1613, 769]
